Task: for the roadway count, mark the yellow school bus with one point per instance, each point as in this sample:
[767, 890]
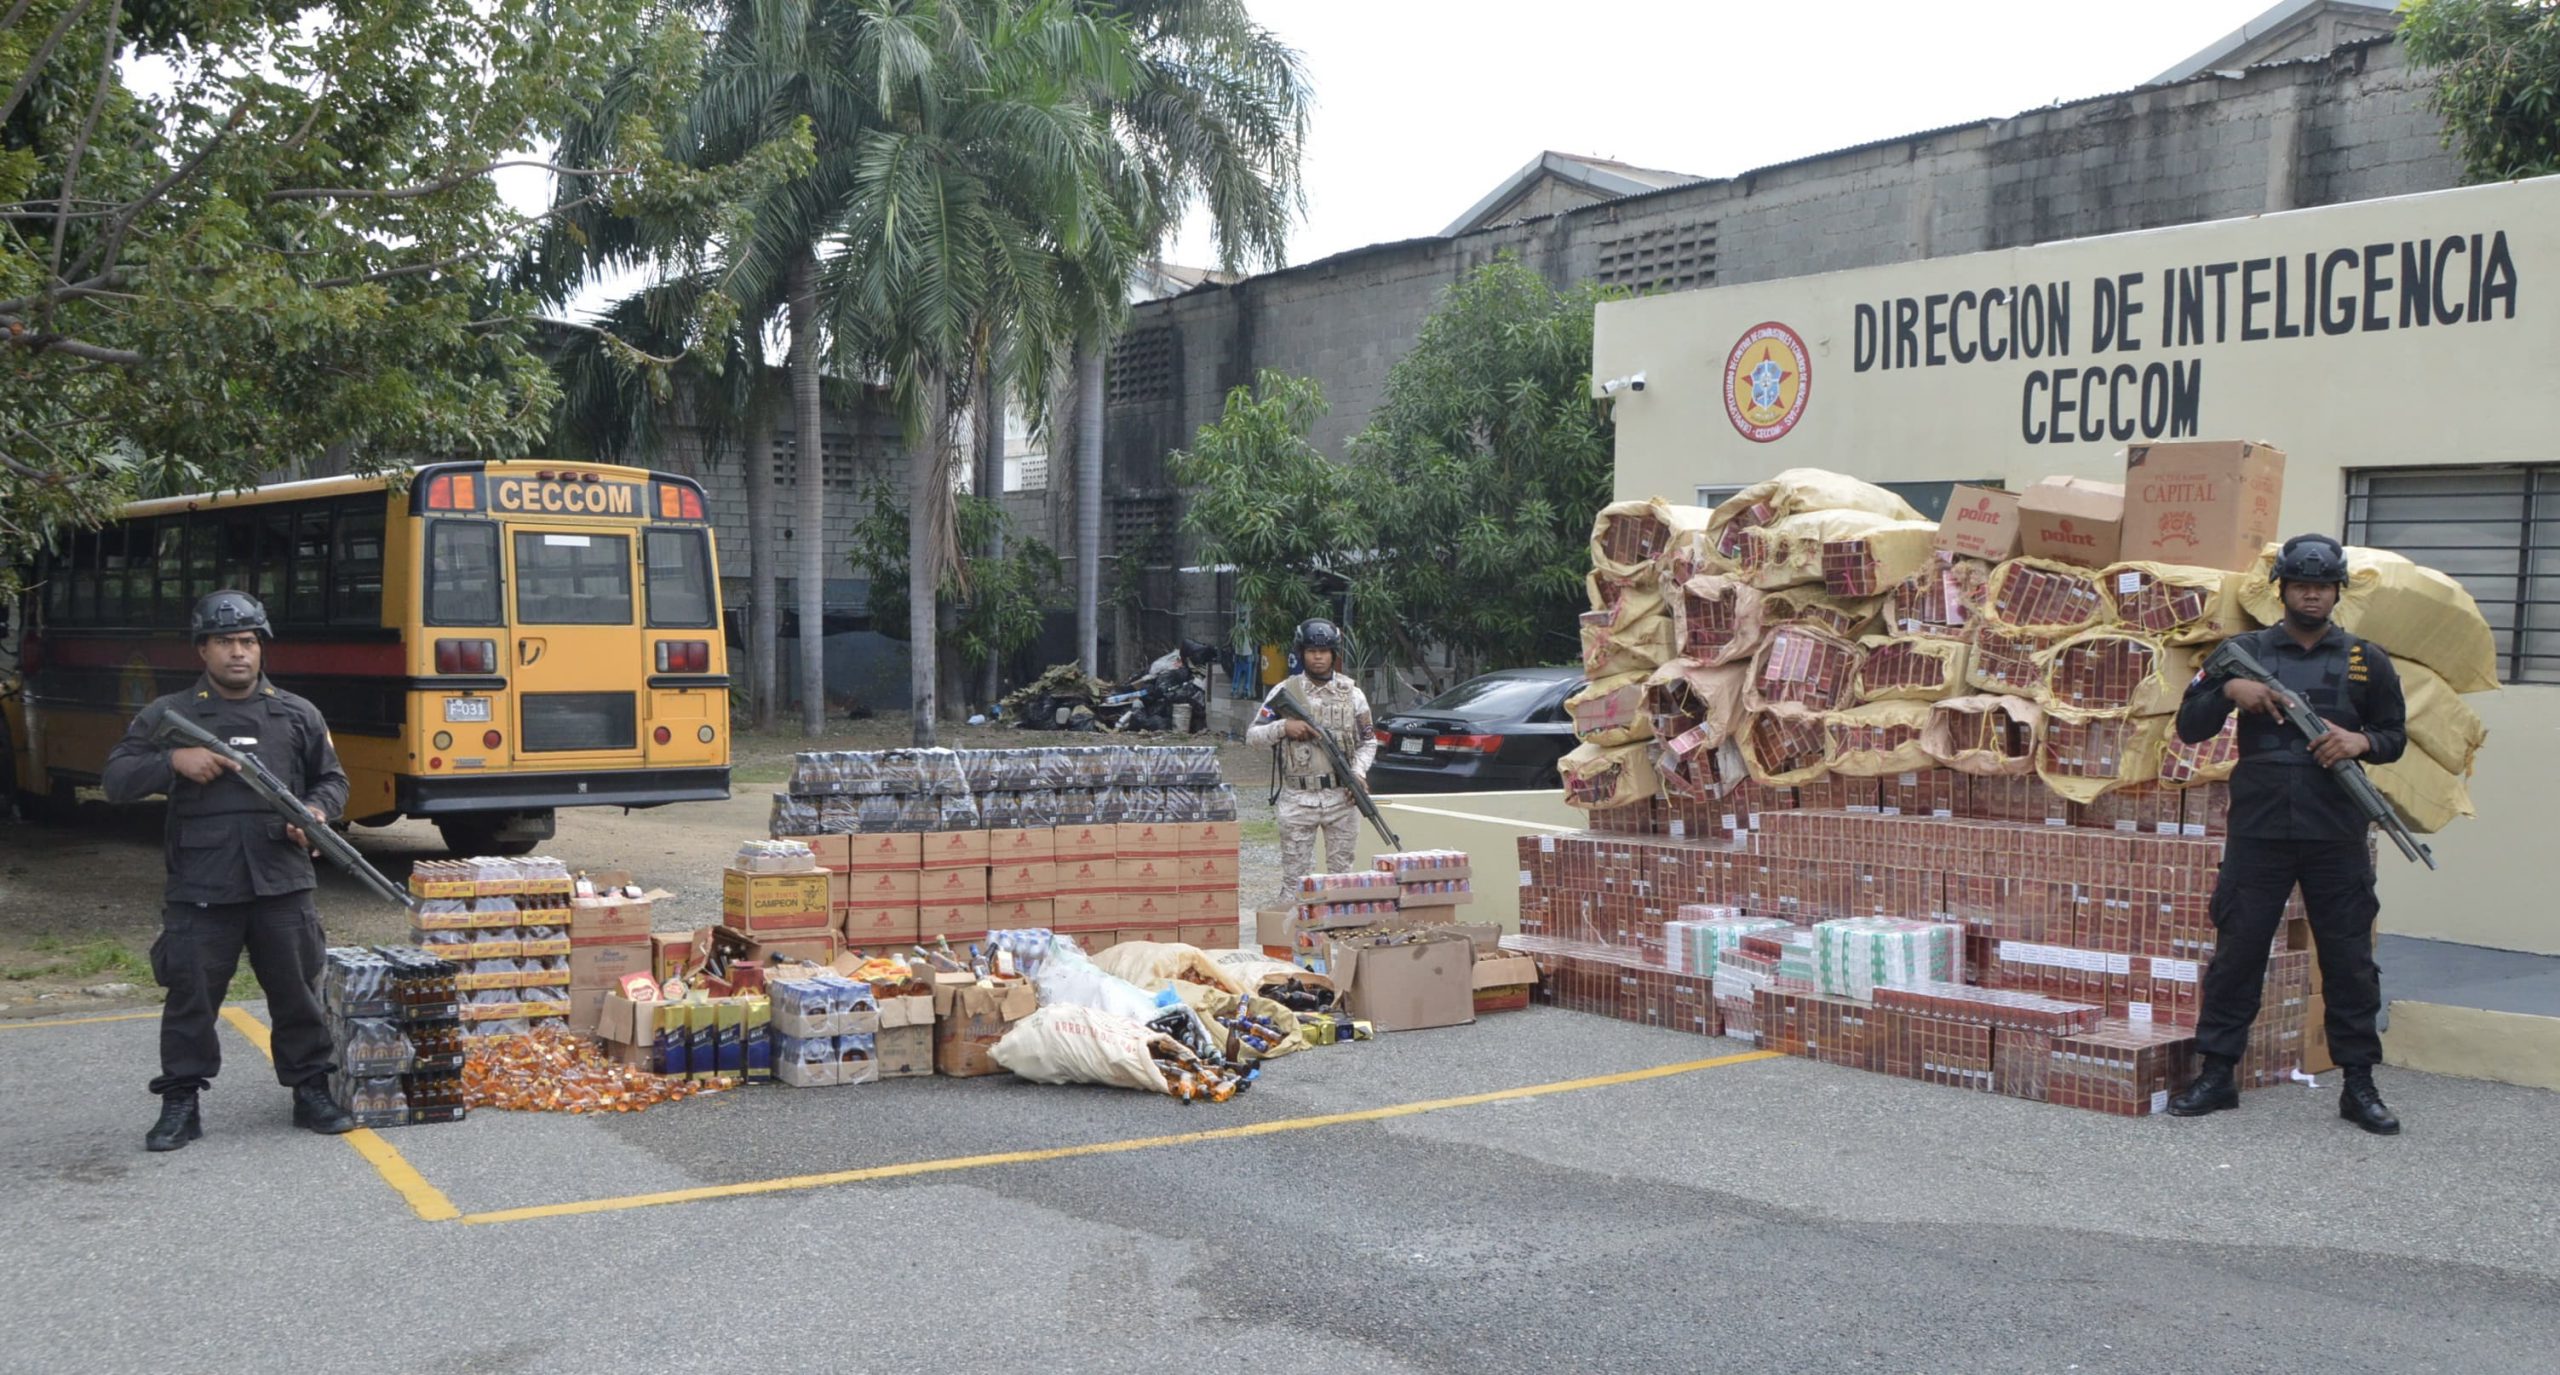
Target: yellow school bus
[489, 643]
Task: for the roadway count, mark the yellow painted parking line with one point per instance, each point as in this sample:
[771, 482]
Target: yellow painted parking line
[979, 1162]
[423, 1198]
[76, 1021]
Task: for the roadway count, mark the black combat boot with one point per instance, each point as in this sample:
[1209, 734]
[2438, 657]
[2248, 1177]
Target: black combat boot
[2361, 1103]
[2213, 1091]
[180, 1122]
[315, 1110]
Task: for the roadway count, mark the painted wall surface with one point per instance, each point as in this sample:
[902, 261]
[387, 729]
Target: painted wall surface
[2306, 329]
[1488, 826]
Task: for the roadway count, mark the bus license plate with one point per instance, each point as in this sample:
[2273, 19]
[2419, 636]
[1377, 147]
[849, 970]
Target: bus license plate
[1411, 744]
[466, 709]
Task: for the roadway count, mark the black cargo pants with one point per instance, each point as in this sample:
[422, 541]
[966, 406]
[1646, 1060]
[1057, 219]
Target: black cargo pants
[195, 958]
[2336, 877]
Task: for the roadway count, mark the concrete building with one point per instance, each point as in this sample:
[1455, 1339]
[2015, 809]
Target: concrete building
[2311, 104]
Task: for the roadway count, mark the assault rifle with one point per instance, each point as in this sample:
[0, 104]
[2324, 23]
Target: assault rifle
[176, 730]
[1287, 703]
[2232, 659]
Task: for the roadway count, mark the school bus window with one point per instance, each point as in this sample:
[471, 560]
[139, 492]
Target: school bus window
[169, 571]
[573, 579]
[83, 606]
[355, 569]
[308, 582]
[141, 554]
[462, 573]
[203, 538]
[111, 566]
[275, 550]
[679, 579]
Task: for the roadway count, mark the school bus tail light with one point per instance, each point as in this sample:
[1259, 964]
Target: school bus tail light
[466, 656]
[684, 656]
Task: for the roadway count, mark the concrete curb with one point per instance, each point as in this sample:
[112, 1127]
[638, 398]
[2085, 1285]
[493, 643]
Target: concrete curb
[2472, 1043]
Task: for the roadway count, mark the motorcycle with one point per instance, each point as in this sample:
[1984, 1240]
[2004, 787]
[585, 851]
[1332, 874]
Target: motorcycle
[1173, 694]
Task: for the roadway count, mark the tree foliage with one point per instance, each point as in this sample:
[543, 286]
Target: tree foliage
[998, 597]
[235, 237]
[2497, 75]
[1489, 459]
[1261, 497]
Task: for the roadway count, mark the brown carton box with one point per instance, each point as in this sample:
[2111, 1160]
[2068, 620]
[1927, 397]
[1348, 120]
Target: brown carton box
[1980, 523]
[1022, 882]
[892, 850]
[1027, 914]
[951, 920]
[1211, 904]
[831, 852]
[585, 1005]
[773, 899]
[1207, 837]
[1501, 983]
[1426, 981]
[955, 850]
[608, 919]
[953, 885]
[874, 927]
[1207, 871]
[602, 965]
[2071, 519]
[904, 1052]
[1150, 909]
[1085, 911]
[1149, 873]
[1033, 845]
[1100, 842]
[877, 887]
[970, 1017]
[1083, 875]
[669, 951]
[1160, 935]
[1211, 935]
[2210, 503]
[1156, 839]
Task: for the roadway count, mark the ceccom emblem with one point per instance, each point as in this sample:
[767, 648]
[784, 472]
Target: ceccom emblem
[1768, 378]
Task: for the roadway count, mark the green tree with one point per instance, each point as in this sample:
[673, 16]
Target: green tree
[1292, 522]
[2497, 81]
[1485, 464]
[996, 597]
[289, 243]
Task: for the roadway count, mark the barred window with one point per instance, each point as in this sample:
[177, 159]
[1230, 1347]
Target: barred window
[2494, 530]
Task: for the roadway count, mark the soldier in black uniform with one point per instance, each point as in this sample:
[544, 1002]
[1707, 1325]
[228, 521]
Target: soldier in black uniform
[2292, 824]
[238, 876]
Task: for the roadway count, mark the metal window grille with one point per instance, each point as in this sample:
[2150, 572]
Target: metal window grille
[1671, 257]
[1142, 365]
[2494, 530]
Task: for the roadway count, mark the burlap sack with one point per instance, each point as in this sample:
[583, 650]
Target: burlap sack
[1846, 617]
[1876, 560]
[1612, 643]
[1600, 777]
[2414, 612]
[1694, 706]
[1910, 668]
[1852, 553]
[1610, 711]
[1804, 666]
[2426, 794]
[1783, 746]
[1715, 620]
[2440, 722]
[2209, 761]
[2044, 597]
[1986, 735]
[2005, 662]
[1628, 536]
[2083, 757]
[2107, 671]
[1794, 492]
[1154, 966]
[1878, 738]
[1940, 599]
[1699, 772]
[2173, 603]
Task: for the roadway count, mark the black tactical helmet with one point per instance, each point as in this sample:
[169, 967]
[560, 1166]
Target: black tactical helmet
[1316, 634]
[228, 612]
[1199, 652]
[2311, 558]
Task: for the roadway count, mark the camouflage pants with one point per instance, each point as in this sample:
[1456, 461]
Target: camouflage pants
[1302, 816]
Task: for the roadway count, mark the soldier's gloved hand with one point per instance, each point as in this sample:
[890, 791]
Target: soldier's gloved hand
[200, 765]
[295, 833]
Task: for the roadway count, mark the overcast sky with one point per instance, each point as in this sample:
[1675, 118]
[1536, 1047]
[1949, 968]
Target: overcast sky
[1423, 106]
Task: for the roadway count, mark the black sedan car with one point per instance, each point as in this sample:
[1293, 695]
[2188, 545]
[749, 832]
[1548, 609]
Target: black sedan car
[1499, 732]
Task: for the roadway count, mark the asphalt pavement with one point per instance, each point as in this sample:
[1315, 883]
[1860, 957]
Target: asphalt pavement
[1730, 1214]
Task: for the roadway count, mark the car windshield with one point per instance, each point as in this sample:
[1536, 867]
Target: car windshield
[1494, 696]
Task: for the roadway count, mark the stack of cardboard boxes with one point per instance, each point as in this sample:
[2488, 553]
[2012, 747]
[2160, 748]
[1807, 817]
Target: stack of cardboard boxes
[1389, 940]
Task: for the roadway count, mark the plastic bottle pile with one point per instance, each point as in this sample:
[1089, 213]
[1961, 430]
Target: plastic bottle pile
[870, 792]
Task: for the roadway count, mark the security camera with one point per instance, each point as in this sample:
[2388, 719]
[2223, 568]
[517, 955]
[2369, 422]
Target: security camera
[1618, 384]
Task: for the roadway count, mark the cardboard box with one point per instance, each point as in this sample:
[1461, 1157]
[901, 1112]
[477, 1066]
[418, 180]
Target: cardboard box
[1207, 837]
[904, 1052]
[603, 964]
[773, 901]
[831, 852]
[1088, 842]
[1085, 911]
[1160, 935]
[1212, 904]
[1149, 873]
[1032, 845]
[1150, 909]
[1501, 983]
[1022, 881]
[1980, 523]
[969, 1018]
[586, 1005]
[750, 949]
[1201, 871]
[878, 887]
[1275, 928]
[1425, 981]
[951, 920]
[1085, 874]
[956, 884]
[2071, 519]
[1152, 839]
[609, 919]
[955, 850]
[872, 927]
[1030, 914]
[894, 850]
[1211, 935]
[2208, 503]
[669, 951]
[1093, 942]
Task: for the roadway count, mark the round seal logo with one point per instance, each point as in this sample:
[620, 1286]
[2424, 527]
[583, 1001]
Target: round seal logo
[1767, 380]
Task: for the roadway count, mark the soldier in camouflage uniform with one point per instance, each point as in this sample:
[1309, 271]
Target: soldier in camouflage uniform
[1311, 799]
